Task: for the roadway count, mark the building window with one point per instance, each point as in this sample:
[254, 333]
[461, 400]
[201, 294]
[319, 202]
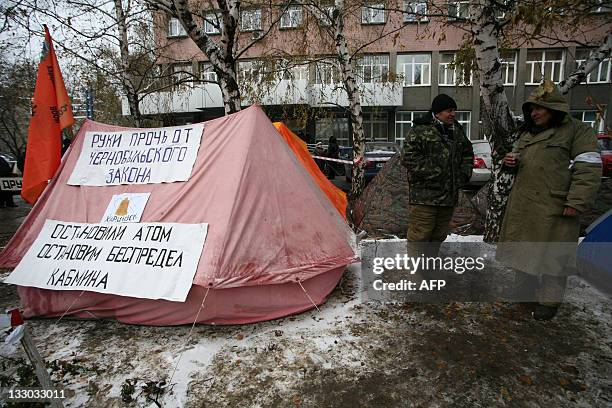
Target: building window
[175, 28]
[464, 119]
[326, 73]
[404, 121]
[508, 67]
[251, 72]
[415, 68]
[373, 68]
[459, 9]
[375, 126]
[297, 72]
[541, 65]
[373, 14]
[449, 76]
[415, 11]
[206, 72]
[599, 75]
[212, 23]
[324, 15]
[591, 118]
[250, 20]
[292, 17]
[338, 127]
[182, 75]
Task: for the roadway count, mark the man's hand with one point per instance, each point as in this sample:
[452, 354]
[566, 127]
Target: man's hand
[570, 212]
[510, 159]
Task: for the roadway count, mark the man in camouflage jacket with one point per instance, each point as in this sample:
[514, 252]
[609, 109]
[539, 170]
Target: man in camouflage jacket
[439, 160]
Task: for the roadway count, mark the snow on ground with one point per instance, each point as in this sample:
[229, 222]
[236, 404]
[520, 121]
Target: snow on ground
[350, 353]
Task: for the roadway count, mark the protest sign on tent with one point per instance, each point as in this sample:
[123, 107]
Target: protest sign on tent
[275, 244]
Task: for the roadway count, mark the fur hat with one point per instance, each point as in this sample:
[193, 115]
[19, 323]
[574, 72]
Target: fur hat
[442, 102]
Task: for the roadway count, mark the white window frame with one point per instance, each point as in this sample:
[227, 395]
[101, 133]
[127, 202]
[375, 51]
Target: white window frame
[531, 67]
[182, 71]
[459, 9]
[175, 28]
[450, 72]
[326, 73]
[209, 23]
[337, 126]
[292, 17]
[250, 20]
[373, 14]
[505, 69]
[424, 66]
[400, 123]
[598, 125]
[418, 7]
[207, 73]
[465, 123]
[371, 121]
[251, 71]
[373, 68]
[296, 73]
[605, 67]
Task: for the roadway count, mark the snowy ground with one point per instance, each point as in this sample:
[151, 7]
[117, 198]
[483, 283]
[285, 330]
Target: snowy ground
[348, 354]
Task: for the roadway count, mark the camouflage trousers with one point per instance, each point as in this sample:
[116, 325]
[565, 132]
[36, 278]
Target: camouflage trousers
[428, 227]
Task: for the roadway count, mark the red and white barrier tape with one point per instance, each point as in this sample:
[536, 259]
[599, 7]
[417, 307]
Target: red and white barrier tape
[332, 160]
[370, 159]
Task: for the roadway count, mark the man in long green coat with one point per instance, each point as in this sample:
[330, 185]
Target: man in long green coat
[558, 175]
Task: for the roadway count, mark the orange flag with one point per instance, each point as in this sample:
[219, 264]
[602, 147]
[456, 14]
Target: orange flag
[51, 112]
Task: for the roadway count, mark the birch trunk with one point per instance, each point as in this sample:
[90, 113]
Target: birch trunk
[587, 66]
[496, 114]
[221, 55]
[127, 78]
[354, 96]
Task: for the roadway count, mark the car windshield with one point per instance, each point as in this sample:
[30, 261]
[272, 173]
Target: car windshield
[381, 148]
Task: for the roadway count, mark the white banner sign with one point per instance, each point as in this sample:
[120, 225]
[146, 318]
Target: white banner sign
[10, 183]
[148, 260]
[127, 207]
[137, 156]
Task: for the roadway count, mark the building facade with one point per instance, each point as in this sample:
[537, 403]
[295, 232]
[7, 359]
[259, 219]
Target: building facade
[399, 76]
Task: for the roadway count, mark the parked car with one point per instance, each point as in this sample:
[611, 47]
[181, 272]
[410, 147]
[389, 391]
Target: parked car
[481, 172]
[11, 160]
[605, 147]
[376, 155]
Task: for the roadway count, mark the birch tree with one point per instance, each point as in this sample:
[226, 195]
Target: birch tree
[488, 33]
[113, 38]
[346, 50]
[17, 78]
[223, 54]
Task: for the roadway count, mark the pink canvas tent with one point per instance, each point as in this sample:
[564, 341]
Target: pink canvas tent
[275, 242]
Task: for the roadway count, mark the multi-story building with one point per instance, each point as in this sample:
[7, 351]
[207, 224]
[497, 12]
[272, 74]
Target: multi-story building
[399, 74]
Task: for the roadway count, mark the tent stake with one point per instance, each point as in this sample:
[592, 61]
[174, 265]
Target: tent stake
[39, 366]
